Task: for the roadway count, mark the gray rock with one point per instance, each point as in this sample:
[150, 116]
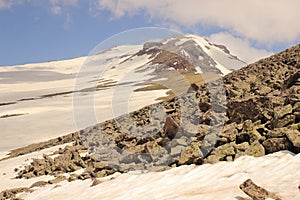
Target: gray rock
[177, 150]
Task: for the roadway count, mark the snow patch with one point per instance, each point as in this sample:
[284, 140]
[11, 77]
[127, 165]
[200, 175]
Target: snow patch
[185, 53]
[208, 181]
[182, 41]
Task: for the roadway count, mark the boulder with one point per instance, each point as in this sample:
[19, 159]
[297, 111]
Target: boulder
[11, 193]
[191, 155]
[281, 111]
[39, 184]
[57, 180]
[220, 153]
[263, 90]
[276, 133]
[73, 177]
[212, 159]
[276, 144]
[256, 192]
[177, 150]
[242, 147]
[170, 128]
[255, 149]
[230, 132]
[294, 137]
[286, 120]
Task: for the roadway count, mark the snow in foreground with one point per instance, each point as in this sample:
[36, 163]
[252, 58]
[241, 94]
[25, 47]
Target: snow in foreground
[278, 172]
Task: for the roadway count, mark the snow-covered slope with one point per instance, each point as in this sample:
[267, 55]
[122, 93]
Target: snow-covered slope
[278, 172]
[37, 100]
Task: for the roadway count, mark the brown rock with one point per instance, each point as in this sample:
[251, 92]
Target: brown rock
[242, 147]
[11, 193]
[230, 132]
[39, 184]
[57, 180]
[256, 192]
[286, 120]
[281, 111]
[96, 182]
[276, 144]
[294, 137]
[255, 149]
[220, 153]
[204, 106]
[191, 155]
[170, 127]
[73, 177]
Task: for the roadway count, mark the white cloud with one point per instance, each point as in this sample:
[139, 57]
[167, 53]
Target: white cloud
[57, 6]
[6, 4]
[268, 21]
[56, 10]
[61, 7]
[240, 47]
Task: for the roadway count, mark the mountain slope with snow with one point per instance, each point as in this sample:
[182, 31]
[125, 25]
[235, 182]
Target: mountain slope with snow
[49, 92]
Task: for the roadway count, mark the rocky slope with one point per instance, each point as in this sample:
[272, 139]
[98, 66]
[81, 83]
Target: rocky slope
[253, 111]
[262, 118]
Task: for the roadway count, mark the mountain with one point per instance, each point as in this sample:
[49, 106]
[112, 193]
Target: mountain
[239, 118]
[252, 111]
[129, 77]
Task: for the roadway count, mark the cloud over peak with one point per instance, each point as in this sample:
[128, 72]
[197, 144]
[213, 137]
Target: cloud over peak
[268, 21]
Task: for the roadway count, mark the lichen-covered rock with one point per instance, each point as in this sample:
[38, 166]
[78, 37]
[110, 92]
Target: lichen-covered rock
[230, 132]
[255, 149]
[191, 155]
[220, 153]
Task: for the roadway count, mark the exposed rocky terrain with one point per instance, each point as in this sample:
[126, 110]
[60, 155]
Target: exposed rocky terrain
[253, 111]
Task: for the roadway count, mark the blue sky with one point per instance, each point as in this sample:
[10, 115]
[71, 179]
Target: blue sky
[41, 30]
[32, 33]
